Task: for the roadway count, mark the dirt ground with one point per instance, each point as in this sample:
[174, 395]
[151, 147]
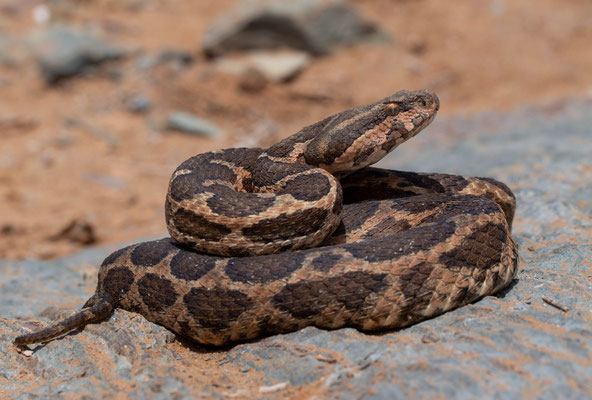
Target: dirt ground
[104, 178]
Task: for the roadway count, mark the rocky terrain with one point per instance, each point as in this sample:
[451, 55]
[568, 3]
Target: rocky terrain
[533, 340]
[100, 100]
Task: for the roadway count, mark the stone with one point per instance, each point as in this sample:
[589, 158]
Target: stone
[78, 230]
[511, 345]
[252, 80]
[275, 67]
[139, 103]
[175, 58]
[64, 52]
[313, 26]
[185, 122]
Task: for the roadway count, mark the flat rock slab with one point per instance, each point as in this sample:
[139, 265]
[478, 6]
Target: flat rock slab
[313, 26]
[513, 345]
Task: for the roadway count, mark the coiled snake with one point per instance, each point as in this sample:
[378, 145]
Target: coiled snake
[305, 233]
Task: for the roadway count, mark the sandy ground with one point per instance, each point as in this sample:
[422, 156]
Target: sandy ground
[103, 179]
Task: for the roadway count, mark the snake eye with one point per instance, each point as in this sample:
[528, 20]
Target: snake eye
[421, 102]
[392, 109]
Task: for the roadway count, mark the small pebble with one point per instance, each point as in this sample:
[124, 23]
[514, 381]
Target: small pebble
[139, 104]
[189, 123]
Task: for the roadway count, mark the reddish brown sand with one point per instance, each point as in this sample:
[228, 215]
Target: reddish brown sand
[477, 55]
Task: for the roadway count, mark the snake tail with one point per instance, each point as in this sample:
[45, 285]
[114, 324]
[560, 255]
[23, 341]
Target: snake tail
[97, 308]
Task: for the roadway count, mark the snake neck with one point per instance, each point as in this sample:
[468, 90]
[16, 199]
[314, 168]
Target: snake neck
[355, 138]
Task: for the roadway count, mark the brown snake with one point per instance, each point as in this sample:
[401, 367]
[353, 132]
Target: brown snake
[304, 233]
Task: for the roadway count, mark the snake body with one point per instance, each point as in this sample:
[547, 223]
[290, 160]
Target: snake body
[305, 233]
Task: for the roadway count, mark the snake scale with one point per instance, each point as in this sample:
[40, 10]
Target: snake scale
[306, 233]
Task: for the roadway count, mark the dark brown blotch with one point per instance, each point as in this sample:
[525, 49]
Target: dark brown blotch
[148, 254]
[324, 261]
[387, 226]
[157, 293]
[413, 179]
[380, 191]
[412, 282]
[229, 202]
[191, 266]
[380, 184]
[264, 269]
[452, 183]
[241, 157]
[421, 203]
[216, 308]
[266, 172]
[117, 282]
[308, 299]
[310, 187]
[186, 186]
[481, 249]
[354, 216]
[191, 224]
[287, 226]
[402, 244]
[113, 257]
[470, 205]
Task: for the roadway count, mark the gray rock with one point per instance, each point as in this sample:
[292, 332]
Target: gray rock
[180, 57]
[273, 66]
[188, 123]
[314, 26]
[64, 52]
[510, 346]
[139, 103]
[177, 59]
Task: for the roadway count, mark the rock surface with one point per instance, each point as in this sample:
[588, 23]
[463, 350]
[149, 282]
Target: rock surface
[64, 52]
[314, 26]
[513, 345]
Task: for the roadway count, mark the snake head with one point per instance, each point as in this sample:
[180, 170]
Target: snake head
[415, 110]
[359, 137]
[422, 100]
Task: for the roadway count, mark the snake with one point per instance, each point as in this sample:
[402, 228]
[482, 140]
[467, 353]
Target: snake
[308, 233]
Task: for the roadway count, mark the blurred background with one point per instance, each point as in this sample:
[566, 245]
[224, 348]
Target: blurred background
[100, 100]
